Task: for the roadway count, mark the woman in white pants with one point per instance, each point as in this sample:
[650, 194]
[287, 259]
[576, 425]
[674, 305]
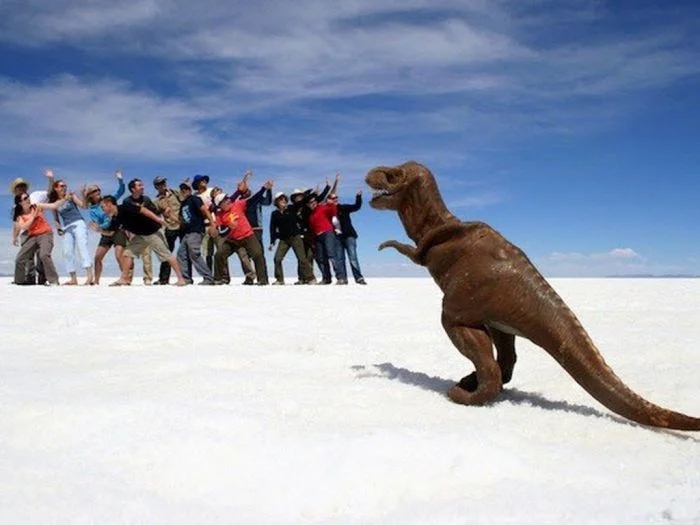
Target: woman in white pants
[72, 227]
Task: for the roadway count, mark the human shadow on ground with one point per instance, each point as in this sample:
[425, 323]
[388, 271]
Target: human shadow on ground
[509, 395]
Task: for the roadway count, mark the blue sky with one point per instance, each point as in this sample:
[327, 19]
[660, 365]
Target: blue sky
[571, 127]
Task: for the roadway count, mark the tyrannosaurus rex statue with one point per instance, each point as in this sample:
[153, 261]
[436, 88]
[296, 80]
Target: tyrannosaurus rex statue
[492, 292]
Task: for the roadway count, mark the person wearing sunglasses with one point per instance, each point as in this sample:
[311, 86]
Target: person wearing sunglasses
[72, 226]
[30, 218]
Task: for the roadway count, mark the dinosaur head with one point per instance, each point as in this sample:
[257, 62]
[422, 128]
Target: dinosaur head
[392, 185]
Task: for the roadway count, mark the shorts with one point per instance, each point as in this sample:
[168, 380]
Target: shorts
[138, 244]
[118, 239]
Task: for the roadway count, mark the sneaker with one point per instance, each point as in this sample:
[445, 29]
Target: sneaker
[299, 282]
[220, 283]
[278, 283]
[325, 282]
[342, 281]
[361, 280]
[249, 282]
[49, 283]
[265, 283]
[207, 283]
[147, 283]
[312, 281]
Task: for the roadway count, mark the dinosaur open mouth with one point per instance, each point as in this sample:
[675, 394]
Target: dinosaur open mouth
[380, 193]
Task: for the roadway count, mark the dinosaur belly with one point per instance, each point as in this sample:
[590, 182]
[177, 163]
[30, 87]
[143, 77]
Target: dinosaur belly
[504, 328]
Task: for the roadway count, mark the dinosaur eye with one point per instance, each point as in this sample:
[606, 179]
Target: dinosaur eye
[392, 177]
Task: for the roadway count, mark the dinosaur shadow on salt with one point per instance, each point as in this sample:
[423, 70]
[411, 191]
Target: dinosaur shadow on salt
[509, 395]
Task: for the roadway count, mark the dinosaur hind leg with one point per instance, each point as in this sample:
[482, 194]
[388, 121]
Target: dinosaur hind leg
[475, 345]
[505, 348]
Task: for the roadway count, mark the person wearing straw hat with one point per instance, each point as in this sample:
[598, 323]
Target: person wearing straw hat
[35, 268]
[99, 220]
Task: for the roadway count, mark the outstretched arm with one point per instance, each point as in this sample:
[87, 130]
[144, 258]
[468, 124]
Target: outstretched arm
[121, 189]
[210, 217]
[80, 201]
[336, 182]
[403, 249]
[143, 210]
[50, 177]
[358, 203]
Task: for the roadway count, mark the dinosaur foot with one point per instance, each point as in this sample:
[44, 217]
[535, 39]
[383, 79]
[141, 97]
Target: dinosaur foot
[469, 383]
[469, 392]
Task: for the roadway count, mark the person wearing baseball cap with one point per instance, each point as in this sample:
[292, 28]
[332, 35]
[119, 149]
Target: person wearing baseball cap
[193, 213]
[167, 202]
[201, 190]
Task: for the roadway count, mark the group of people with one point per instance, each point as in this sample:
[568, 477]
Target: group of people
[209, 224]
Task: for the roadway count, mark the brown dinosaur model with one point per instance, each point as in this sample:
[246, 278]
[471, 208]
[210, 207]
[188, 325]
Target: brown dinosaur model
[492, 292]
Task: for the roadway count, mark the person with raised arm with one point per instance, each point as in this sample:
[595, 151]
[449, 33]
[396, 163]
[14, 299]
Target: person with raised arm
[71, 225]
[30, 218]
[139, 219]
[35, 270]
[192, 216]
[283, 227]
[346, 235]
[253, 212]
[167, 201]
[235, 232]
[300, 198]
[99, 221]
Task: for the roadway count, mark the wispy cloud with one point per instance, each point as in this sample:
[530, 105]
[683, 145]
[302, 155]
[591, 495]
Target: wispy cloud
[66, 115]
[315, 86]
[618, 261]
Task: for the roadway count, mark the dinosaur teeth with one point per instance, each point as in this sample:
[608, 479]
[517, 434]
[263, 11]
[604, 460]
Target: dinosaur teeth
[380, 193]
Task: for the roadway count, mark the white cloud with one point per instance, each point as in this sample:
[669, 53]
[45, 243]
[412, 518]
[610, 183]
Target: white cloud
[618, 261]
[65, 115]
[623, 253]
[259, 84]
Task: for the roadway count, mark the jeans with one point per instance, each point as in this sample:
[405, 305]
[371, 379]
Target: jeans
[326, 253]
[189, 254]
[349, 245]
[75, 235]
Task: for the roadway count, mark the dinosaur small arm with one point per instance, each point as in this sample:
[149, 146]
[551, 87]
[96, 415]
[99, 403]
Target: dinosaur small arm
[493, 293]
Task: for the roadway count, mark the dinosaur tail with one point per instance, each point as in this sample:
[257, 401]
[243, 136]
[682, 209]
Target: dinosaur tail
[582, 360]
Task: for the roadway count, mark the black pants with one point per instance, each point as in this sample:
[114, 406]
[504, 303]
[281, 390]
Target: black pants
[170, 237]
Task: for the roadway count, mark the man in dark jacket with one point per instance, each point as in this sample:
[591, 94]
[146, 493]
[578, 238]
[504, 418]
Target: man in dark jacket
[346, 235]
[284, 226]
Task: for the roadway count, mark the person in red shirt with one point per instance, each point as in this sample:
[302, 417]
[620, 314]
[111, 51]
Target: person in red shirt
[235, 232]
[326, 250]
